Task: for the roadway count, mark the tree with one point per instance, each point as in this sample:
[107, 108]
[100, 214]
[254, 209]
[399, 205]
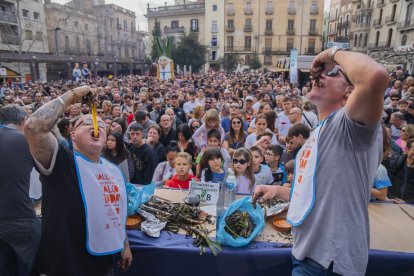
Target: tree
[255, 61]
[230, 61]
[189, 51]
[156, 32]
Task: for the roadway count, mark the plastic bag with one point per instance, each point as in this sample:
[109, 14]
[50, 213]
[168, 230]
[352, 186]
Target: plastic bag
[257, 215]
[138, 196]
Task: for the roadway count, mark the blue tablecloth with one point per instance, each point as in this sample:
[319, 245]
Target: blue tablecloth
[174, 254]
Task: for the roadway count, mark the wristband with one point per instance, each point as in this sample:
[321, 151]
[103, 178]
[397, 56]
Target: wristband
[333, 52]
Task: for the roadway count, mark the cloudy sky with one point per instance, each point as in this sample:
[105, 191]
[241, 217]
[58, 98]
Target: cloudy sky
[140, 7]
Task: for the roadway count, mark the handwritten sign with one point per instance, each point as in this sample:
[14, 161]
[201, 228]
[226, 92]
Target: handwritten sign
[207, 192]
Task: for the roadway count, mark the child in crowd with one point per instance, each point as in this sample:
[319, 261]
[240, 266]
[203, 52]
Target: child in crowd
[289, 168]
[182, 165]
[243, 168]
[262, 173]
[272, 157]
[165, 170]
[264, 140]
[211, 166]
[214, 141]
[290, 151]
[211, 121]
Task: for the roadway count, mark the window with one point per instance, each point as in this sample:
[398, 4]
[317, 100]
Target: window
[39, 36]
[26, 13]
[213, 55]
[269, 23]
[313, 24]
[248, 43]
[267, 60]
[174, 24]
[214, 41]
[291, 24]
[214, 26]
[88, 46]
[365, 40]
[289, 44]
[355, 40]
[230, 41]
[86, 27]
[76, 23]
[230, 23]
[404, 40]
[194, 25]
[230, 9]
[248, 22]
[132, 26]
[311, 45]
[268, 44]
[65, 21]
[126, 52]
[28, 34]
[78, 47]
[214, 7]
[36, 16]
[125, 25]
[67, 45]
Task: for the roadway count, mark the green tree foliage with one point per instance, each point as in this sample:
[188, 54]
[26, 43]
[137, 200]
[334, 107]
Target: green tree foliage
[255, 61]
[230, 61]
[156, 32]
[189, 51]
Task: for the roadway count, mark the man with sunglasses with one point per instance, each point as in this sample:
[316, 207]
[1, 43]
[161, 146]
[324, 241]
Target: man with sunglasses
[83, 207]
[335, 167]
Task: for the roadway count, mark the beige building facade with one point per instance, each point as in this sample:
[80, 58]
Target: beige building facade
[215, 31]
[184, 17]
[273, 28]
[22, 31]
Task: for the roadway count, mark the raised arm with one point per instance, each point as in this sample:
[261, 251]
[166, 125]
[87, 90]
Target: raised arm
[37, 127]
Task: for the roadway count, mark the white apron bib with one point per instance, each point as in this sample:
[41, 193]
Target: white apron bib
[102, 186]
[302, 194]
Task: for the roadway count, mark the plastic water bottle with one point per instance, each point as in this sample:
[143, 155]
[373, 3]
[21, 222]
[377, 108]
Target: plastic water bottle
[230, 188]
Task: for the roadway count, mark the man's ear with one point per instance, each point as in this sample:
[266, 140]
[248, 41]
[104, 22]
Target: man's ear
[348, 91]
[72, 136]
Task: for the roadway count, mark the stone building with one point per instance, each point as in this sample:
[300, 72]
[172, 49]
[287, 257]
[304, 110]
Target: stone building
[23, 32]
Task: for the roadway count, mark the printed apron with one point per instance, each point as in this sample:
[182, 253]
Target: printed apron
[102, 186]
[302, 194]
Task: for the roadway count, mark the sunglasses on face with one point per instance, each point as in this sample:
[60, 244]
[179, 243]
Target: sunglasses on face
[335, 71]
[195, 127]
[234, 106]
[395, 100]
[239, 161]
[236, 123]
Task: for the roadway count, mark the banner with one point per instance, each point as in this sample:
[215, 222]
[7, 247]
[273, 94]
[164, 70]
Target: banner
[294, 66]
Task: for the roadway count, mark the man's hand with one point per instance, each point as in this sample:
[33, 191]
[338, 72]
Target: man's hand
[322, 62]
[82, 91]
[263, 193]
[126, 259]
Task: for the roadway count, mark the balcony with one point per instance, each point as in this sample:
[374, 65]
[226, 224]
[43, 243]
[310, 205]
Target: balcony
[230, 28]
[10, 39]
[267, 62]
[314, 10]
[291, 10]
[362, 26]
[248, 11]
[312, 51]
[394, 1]
[390, 20]
[269, 10]
[377, 23]
[268, 32]
[405, 25]
[231, 12]
[238, 48]
[119, 26]
[380, 3]
[380, 45]
[214, 30]
[290, 31]
[174, 30]
[344, 38]
[248, 28]
[274, 51]
[313, 32]
[332, 32]
[8, 17]
[333, 18]
[343, 25]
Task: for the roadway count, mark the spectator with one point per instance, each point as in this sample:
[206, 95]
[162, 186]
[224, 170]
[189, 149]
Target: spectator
[236, 137]
[165, 170]
[211, 121]
[407, 133]
[397, 123]
[142, 155]
[167, 132]
[142, 119]
[183, 176]
[154, 134]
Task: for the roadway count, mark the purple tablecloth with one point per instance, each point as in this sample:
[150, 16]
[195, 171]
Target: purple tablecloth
[174, 254]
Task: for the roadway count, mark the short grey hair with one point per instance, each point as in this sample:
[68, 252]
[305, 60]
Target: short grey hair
[12, 114]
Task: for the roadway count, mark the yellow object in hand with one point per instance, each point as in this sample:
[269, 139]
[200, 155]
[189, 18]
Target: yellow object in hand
[94, 121]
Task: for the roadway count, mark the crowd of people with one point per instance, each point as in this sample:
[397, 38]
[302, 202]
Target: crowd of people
[194, 126]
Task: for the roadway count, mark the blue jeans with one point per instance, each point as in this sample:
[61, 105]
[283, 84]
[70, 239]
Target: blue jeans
[308, 267]
[19, 239]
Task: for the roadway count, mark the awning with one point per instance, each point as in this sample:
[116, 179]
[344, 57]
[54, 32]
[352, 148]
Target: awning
[274, 69]
[304, 70]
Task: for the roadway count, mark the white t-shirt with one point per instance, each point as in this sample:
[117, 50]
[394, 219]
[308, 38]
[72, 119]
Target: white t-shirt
[189, 106]
[264, 176]
[283, 124]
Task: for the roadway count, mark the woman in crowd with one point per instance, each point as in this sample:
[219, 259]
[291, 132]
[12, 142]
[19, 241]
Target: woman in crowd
[198, 114]
[236, 137]
[261, 126]
[263, 108]
[74, 111]
[165, 170]
[117, 125]
[407, 132]
[107, 107]
[116, 152]
[116, 111]
[154, 133]
[185, 142]
[195, 124]
[211, 121]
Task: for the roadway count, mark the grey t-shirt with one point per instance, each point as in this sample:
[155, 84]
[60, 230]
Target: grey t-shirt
[337, 228]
